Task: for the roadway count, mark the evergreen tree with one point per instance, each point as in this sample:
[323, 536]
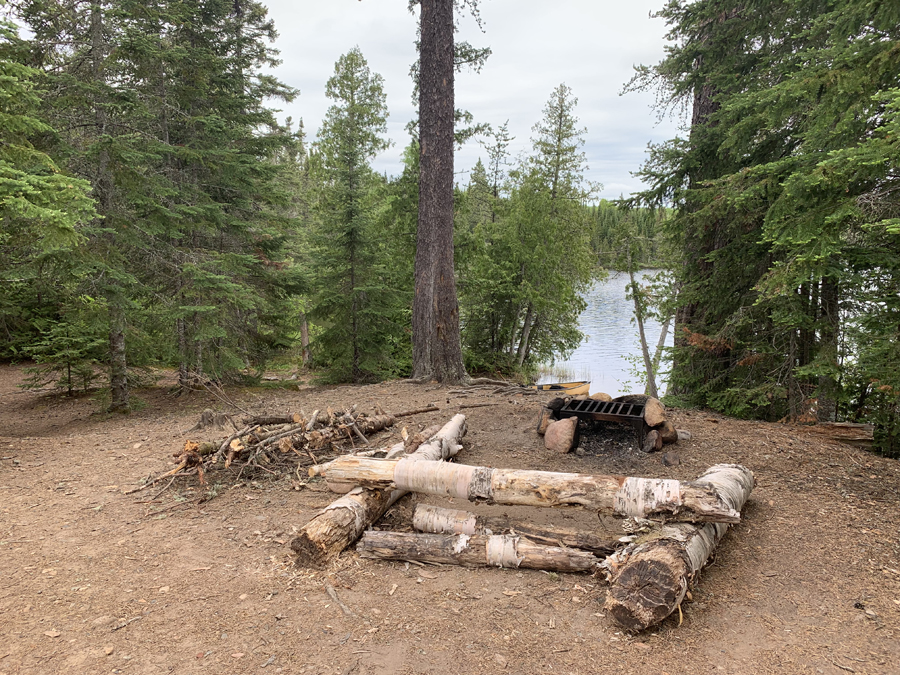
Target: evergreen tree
[42, 210]
[354, 302]
[789, 228]
[522, 288]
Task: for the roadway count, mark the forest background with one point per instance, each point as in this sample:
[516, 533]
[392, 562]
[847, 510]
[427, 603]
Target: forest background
[155, 213]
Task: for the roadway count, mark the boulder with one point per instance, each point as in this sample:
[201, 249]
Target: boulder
[654, 412]
[544, 420]
[671, 458]
[561, 435]
[668, 432]
[652, 441]
[600, 396]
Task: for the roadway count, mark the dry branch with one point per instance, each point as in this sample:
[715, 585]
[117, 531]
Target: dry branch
[268, 420]
[650, 577]
[638, 497]
[427, 518]
[418, 411]
[498, 550]
[342, 522]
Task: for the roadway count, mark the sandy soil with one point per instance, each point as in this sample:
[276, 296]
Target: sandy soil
[96, 581]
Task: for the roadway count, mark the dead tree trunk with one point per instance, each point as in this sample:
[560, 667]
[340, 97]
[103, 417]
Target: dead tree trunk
[427, 518]
[342, 522]
[650, 577]
[498, 550]
[639, 497]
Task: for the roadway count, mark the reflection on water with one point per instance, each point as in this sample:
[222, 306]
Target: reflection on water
[610, 336]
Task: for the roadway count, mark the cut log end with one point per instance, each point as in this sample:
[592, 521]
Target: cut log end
[649, 587]
[309, 554]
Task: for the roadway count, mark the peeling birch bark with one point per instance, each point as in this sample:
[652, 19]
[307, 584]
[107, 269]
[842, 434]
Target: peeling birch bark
[343, 521]
[650, 577]
[638, 497]
[498, 550]
[433, 519]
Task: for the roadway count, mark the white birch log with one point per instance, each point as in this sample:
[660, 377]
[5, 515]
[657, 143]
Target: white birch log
[434, 519]
[650, 577]
[498, 550]
[639, 497]
[343, 521]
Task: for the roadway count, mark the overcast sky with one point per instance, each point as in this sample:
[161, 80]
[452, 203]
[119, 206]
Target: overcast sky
[591, 45]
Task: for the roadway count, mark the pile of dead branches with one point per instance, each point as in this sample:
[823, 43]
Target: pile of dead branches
[281, 444]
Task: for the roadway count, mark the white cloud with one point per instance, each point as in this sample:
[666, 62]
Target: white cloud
[591, 45]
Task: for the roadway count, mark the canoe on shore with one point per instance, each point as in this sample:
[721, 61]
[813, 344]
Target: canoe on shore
[564, 388]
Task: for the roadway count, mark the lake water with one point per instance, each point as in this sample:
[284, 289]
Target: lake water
[610, 336]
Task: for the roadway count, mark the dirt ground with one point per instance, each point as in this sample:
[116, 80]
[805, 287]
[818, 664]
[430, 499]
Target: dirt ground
[96, 581]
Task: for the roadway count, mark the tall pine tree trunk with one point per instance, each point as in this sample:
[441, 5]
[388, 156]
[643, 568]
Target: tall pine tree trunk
[103, 189]
[118, 366]
[828, 351]
[437, 353]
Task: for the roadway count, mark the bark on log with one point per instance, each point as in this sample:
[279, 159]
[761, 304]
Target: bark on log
[498, 550]
[650, 577]
[342, 522]
[433, 519]
[265, 420]
[639, 497]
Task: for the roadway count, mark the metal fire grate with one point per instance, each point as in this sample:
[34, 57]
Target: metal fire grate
[600, 411]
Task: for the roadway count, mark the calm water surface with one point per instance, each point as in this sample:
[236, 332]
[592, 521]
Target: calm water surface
[610, 336]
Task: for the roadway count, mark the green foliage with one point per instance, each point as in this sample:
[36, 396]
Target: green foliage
[163, 107]
[71, 351]
[355, 302]
[787, 200]
[525, 257]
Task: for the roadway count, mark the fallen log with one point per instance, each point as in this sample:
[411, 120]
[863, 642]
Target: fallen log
[433, 519]
[342, 522]
[267, 420]
[638, 497]
[497, 550]
[649, 578]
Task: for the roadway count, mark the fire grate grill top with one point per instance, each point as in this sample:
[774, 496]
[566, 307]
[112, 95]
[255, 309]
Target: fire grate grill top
[613, 411]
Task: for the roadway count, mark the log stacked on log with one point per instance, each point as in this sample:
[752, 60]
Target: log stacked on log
[342, 522]
[650, 577]
[640, 497]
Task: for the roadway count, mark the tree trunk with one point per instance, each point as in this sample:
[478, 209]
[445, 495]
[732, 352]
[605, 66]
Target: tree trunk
[650, 390]
[826, 407]
[118, 366]
[342, 522]
[437, 353]
[498, 550]
[526, 336]
[304, 340]
[427, 518]
[650, 578]
[639, 497]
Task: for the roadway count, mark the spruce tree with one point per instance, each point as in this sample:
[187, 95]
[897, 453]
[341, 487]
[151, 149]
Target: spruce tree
[353, 303]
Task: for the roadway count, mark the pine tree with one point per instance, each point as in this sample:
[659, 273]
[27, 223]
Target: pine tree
[42, 210]
[354, 302]
[437, 353]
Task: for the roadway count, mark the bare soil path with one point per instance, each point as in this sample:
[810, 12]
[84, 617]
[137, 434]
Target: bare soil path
[95, 581]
